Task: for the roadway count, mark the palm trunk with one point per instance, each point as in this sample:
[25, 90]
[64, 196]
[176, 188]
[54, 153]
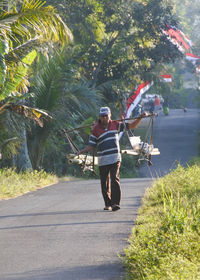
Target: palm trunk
[23, 160]
[36, 145]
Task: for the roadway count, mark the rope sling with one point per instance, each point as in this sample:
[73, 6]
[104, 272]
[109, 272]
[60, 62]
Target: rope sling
[142, 154]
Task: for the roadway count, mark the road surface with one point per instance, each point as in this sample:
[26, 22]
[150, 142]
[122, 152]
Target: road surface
[176, 136]
[62, 233]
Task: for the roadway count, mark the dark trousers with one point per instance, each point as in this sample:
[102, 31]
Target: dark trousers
[110, 184]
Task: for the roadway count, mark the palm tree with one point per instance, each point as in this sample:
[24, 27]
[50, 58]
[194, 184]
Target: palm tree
[59, 89]
[22, 32]
[24, 29]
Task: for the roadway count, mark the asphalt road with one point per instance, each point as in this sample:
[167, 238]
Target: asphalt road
[176, 136]
[62, 233]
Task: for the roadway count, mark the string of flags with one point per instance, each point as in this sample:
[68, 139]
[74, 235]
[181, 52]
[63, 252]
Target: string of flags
[184, 44]
[193, 58]
[177, 37]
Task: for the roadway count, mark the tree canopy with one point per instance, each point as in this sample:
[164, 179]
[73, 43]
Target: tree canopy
[65, 58]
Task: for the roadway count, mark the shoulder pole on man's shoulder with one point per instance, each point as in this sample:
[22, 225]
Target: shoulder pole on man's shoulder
[119, 120]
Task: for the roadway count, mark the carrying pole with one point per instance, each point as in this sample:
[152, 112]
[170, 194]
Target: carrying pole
[120, 120]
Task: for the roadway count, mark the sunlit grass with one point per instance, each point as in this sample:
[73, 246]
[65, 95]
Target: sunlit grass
[13, 184]
[165, 241]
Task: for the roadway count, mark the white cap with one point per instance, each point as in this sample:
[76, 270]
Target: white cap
[104, 111]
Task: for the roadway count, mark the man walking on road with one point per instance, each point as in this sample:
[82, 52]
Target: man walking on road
[104, 137]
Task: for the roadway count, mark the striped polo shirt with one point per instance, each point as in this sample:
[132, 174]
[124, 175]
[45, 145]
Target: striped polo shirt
[107, 142]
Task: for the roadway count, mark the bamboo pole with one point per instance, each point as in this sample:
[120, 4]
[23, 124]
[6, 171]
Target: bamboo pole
[120, 120]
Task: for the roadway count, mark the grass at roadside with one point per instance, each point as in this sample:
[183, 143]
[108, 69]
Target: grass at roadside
[165, 242]
[13, 184]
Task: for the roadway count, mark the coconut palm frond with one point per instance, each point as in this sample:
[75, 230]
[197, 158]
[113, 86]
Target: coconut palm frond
[48, 86]
[9, 138]
[83, 97]
[29, 26]
[43, 21]
[18, 53]
[7, 19]
[3, 70]
[30, 113]
[7, 141]
[9, 147]
[16, 77]
[34, 19]
[3, 107]
[105, 86]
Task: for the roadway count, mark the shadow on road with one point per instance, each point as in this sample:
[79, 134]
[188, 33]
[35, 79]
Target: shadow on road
[66, 224]
[96, 272]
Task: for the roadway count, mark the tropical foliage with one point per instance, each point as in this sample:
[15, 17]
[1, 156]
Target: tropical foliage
[119, 39]
[25, 28]
[59, 83]
[22, 31]
[59, 89]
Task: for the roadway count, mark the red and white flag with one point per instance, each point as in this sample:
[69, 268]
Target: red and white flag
[134, 99]
[191, 57]
[178, 38]
[174, 41]
[176, 35]
[166, 78]
[185, 37]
